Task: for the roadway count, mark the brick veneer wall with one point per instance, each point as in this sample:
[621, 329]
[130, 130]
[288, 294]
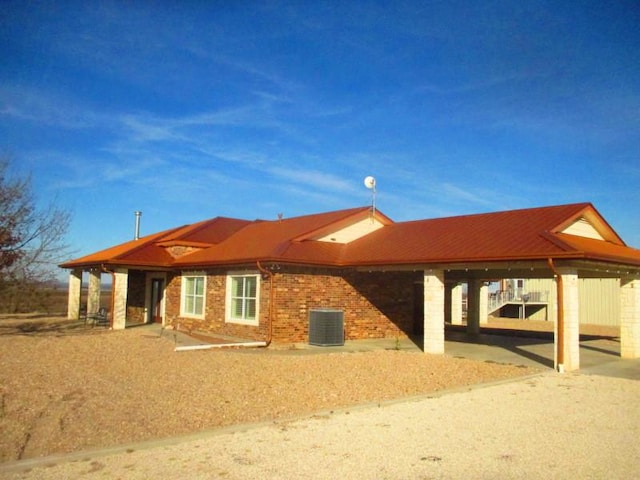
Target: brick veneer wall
[214, 320]
[375, 304]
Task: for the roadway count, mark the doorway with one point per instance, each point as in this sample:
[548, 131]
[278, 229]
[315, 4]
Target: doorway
[157, 296]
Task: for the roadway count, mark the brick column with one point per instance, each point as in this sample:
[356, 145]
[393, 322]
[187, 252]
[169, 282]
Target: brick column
[74, 294]
[456, 304]
[93, 295]
[434, 311]
[630, 318]
[571, 321]
[119, 314]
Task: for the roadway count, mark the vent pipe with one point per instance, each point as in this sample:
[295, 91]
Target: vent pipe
[138, 214]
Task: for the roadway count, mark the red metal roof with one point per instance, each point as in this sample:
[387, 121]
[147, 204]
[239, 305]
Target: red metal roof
[527, 234]
[150, 251]
[270, 240]
[516, 234]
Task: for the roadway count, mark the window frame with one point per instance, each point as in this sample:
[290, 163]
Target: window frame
[229, 318]
[183, 295]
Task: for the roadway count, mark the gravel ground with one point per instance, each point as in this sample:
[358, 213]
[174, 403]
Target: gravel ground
[548, 426]
[65, 387]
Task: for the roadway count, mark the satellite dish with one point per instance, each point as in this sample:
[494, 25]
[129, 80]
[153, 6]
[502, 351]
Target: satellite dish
[370, 182]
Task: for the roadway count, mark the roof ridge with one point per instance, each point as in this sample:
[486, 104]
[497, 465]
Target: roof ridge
[578, 206]
[346, 211]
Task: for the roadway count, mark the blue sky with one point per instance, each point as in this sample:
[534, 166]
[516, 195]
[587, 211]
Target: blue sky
[191, 110]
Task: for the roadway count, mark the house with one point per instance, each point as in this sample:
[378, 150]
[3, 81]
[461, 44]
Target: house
[264, 279]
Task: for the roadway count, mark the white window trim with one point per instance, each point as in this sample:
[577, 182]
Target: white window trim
[182, 295]
[228, 318]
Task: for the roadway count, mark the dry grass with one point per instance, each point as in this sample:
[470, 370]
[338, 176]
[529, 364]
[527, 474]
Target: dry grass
[65, 387]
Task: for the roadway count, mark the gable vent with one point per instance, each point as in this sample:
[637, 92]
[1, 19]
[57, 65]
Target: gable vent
[326, 327]
[583, 228]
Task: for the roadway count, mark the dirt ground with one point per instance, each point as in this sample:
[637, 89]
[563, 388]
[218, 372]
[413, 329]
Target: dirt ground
[67, 387]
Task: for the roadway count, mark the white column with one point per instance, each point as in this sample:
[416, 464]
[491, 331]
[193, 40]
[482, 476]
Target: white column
[571, 322]
[74, 294]
[119, 314]
[93, 294]
[630, 318]
[456, 305]
[434, 311]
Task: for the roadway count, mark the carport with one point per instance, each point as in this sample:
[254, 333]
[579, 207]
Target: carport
[564, 243]
[443, 281]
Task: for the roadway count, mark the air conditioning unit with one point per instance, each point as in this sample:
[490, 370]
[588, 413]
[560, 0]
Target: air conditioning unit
[326, 327]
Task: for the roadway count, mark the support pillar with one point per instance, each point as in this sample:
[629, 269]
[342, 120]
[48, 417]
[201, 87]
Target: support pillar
[119, 292]
[93, 294]
[567, 332]
[630, 318]
[473, 306]
[434, 311]
[456, 304]
[483, 304]
[74, 294]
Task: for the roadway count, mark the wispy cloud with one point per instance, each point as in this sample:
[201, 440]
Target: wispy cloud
[458, 194]
[26, 104]
[480, 84]
[312, 178]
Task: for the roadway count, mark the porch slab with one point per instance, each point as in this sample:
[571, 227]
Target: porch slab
[599, 355]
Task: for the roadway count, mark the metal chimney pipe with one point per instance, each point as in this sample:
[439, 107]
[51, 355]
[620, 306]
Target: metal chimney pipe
[137, 232]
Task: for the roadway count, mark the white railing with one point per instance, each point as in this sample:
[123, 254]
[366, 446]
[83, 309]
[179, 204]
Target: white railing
[498, 299]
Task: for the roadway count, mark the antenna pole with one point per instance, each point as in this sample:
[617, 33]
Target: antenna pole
[373, 201]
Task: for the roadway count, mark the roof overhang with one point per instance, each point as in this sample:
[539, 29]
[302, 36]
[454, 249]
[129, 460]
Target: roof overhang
[496, 270]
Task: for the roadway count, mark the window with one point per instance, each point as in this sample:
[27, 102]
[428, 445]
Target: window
[193, 288]
[243, 299]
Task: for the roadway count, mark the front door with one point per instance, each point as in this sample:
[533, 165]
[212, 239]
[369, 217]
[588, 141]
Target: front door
[157, 292]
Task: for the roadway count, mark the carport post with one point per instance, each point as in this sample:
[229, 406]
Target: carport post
[630, 318]
[434, 311]
[477, 306]
[119, 300]
[456, 304]
[74, 293]
[567, 332]
[93, 295]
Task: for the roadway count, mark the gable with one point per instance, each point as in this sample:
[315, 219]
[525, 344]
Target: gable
[351, 232]
[583, 228]
[588, 223]
[348, 228]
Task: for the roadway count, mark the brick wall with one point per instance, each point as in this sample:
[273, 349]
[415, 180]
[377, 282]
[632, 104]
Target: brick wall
[214, 321]
[375, 305]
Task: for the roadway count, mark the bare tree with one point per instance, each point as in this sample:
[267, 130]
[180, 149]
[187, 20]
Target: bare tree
[31, 241]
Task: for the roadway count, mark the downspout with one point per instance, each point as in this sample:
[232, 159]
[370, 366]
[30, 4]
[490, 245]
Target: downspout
[560, 299]
[272, 296]
[113, 293]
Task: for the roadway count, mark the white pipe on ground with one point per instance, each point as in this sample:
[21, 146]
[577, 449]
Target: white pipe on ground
[219, 345]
